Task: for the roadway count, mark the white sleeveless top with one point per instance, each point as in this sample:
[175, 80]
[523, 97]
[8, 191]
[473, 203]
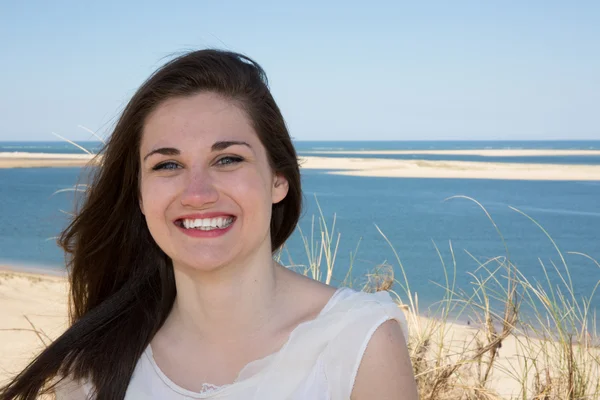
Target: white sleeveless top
[319, 361]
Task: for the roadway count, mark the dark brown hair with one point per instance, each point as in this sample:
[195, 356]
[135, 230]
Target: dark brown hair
[122, 285]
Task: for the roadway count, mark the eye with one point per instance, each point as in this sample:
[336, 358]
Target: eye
[229, 160]
[166, 165]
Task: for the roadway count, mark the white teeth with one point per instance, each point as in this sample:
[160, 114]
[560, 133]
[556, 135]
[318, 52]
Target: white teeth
[206, 224]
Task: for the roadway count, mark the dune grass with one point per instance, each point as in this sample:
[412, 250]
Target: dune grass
[552, 352]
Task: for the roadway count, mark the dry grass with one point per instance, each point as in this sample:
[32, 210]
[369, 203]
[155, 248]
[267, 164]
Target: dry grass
[554, 350]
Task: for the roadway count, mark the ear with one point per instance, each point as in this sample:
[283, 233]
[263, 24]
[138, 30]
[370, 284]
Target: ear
[280, 188]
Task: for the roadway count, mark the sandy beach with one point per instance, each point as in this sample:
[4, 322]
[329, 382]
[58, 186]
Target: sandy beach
[28, 300]
[373, 167]
[33, 300]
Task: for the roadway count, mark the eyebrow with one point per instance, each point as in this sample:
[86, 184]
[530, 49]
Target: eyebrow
[217, 146]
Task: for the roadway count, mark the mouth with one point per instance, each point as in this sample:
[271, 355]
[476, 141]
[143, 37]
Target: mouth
[206, 224]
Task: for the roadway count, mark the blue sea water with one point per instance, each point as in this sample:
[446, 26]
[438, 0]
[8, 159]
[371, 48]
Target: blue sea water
[321, 148]
[307, 145]
[447, 145]
[413, 213]
[51, 147]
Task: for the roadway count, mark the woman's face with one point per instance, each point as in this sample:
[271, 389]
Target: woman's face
[206, 184]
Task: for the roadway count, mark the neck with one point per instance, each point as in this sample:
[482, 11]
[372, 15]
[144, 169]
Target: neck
[219, 305]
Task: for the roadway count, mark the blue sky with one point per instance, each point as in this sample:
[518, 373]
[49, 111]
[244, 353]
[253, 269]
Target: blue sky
[340, 70]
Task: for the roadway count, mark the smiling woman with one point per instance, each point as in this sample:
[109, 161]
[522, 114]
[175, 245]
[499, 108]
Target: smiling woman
[174, 290]
[217, 169]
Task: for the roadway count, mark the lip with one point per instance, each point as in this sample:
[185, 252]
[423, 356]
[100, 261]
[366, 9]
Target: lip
[213, 214]
[198, 233]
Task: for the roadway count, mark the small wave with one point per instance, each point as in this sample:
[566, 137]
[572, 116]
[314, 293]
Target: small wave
[328, 148]
[559, 211]
[26, 147]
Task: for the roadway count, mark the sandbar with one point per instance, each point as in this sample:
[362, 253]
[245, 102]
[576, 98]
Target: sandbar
[474, 152]
[391, 168]
[37, 160]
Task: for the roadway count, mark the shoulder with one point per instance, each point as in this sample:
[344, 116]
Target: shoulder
[370, 309]
[369, 325]
[385, 370]
[302, 298]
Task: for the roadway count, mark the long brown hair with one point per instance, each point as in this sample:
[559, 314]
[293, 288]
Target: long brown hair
[122, 285]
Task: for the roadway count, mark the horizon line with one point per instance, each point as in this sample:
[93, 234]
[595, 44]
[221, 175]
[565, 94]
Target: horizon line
[348, 140]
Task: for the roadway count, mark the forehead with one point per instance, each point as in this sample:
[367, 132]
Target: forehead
[197, 120]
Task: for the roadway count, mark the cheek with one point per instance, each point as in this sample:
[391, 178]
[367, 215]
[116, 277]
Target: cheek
[250, 189]
[154, 198]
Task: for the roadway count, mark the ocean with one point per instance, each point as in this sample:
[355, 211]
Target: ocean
[306, 145]
[415, 214]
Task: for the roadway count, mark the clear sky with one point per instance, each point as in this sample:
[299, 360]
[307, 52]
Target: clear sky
[340, 70]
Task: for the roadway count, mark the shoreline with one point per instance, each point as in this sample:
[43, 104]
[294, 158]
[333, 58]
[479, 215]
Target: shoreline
[371, 167]
[34, 270]
[40, 274]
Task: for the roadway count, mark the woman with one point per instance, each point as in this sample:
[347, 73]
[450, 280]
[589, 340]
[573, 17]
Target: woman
[174, 290]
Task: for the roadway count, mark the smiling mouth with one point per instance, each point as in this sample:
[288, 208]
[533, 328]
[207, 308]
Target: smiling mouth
[206, 224]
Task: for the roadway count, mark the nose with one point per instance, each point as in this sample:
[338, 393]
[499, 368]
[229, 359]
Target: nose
[199, 189]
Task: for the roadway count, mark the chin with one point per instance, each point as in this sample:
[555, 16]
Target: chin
[200, 264]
